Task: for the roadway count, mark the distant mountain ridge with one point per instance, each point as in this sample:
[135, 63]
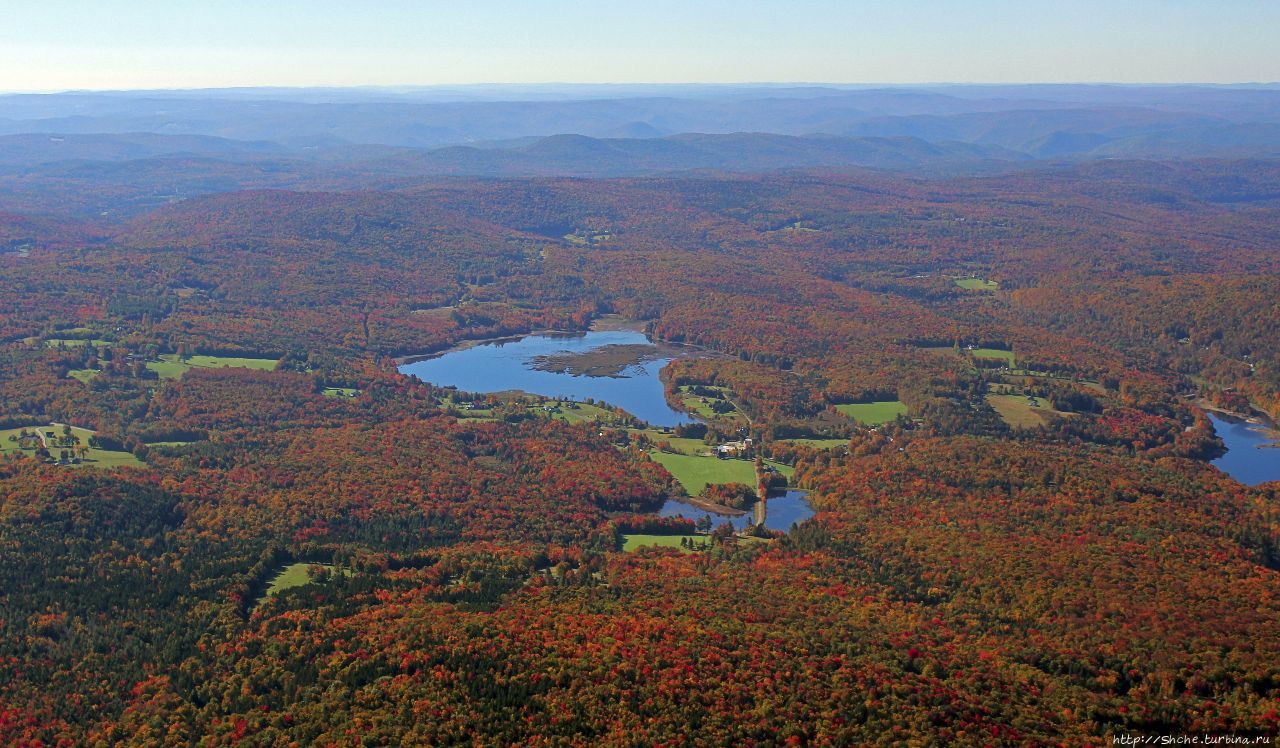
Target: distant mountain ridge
[1042, 121]
[37, 148]
[747, 152]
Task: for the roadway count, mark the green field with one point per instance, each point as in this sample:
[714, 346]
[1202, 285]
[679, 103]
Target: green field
[476, 414]
[578, 412]
[695, 403]
[632, 542]
[74, 342]
[100, 458]
[696, 473]
[977, 284]
[874, 414]
[561, 410]
[341, 392]
[818, 443]
[84, 375]
[684, 446]
[170, 366]
[994, 353]
[785, 470]
[1017, 410]
[294, 575]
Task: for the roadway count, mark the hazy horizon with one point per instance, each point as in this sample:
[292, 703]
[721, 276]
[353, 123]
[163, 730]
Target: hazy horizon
[566, 86]
[135, 45]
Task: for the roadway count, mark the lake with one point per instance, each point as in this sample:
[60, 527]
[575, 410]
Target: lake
[782, 511]
[1247, 459]
[502, 366]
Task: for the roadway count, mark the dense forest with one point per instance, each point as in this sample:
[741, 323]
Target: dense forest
[979, 571]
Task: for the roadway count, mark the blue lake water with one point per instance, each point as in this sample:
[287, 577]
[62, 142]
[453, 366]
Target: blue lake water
[508, 365]
[1247, 459]
[781, 511]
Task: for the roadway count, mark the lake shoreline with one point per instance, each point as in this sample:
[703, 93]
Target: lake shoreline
[1262, 421]
[606, 323]
[462, 345]
[620, 367]
[711, 506]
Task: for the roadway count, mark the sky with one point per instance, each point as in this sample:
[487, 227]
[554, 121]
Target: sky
[48, 45]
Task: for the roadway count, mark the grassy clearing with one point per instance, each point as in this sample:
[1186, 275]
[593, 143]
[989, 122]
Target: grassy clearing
[874, 414]
[817, 443]
[100, 458]
[84, 375]
[341, 392]
[994, 353]
[168, 369]
[170, 366]
[632, 542]
[704, 406]
[571, 412]
[295, 575]
[681, 445]
[561, 410]
[465, 412]
[699, 407]
[940, 350]
[75, 342]
[1018, 412]
[695, 472]
[977, 284]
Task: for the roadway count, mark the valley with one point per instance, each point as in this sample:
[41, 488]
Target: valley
[551, 441]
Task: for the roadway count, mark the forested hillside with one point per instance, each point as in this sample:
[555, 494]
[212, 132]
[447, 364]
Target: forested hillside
[994, 387]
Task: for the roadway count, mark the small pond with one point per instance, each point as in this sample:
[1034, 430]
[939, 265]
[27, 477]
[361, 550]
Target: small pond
[781, 511]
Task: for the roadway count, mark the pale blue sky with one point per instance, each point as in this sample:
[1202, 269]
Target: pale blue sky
[61, 44]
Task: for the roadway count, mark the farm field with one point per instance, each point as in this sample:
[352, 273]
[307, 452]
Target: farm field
[695, 472]
[100, 458]
[995, 353]
[341, 392]
[572, 412]
[171, 366]
[679, 444]
[633, 542]
[704, 406]
[873, 414]
[84, 375]
[75, 342]
[817, 443]
[1017, 410]
[977, 284]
